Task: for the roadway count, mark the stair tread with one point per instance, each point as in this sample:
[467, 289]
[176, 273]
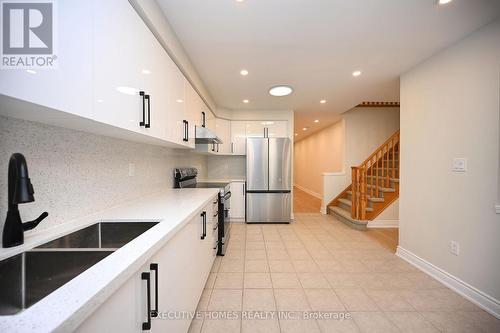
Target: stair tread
[370, 198]
[396, 180]
[349, 203]
[345, 214]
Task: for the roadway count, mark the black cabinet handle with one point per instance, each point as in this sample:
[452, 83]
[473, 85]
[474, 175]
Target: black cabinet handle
[213, 146]
[202, 119]
[185, 138]
[187, 130]
[154, 267]
[217, 147]
[202, 225]
[232, 148]
[148, 124]
[146, 326]
[143, 122]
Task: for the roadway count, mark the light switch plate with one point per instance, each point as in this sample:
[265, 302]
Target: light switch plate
[459, 164]
[131, 169]
[454, 248]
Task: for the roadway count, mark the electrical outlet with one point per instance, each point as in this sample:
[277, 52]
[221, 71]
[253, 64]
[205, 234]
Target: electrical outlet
[459, 165]
[131, 169]
[454, 248]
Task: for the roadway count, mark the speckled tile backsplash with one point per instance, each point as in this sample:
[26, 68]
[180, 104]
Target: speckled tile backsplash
[76, 173]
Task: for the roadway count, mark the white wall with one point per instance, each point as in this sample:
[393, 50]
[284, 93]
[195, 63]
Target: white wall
[75, 173]
[450, 108]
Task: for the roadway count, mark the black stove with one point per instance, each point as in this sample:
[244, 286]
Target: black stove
[186, 178]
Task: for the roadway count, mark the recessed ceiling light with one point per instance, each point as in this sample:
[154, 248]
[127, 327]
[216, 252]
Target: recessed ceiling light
[146, 71]
[316, 121]
[280, 91]
[444, 2]
[246, 101]
[296, 134]
[31, 71]
[323, 101]
[239, 0]
[179, 100]
[356, 73]
[244, 72]
[304, 129]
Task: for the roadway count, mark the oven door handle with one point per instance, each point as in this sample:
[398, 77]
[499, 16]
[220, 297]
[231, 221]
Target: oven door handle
[227, 195]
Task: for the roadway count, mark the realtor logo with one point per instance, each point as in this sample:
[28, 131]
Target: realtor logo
[28, 34]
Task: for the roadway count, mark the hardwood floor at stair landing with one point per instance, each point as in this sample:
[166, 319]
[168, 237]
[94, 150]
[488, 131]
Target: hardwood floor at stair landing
[304, 202]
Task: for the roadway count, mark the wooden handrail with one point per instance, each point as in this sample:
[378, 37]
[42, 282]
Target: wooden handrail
[373, 174]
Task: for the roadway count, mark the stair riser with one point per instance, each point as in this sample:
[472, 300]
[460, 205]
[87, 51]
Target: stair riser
[347, 222]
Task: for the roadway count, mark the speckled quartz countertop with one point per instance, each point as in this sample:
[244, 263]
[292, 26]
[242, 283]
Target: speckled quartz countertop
[67, 307]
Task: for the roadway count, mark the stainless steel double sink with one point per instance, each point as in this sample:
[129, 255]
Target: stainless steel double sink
[30, 276]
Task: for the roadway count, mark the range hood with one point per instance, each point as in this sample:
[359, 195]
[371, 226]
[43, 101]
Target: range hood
[205, 136]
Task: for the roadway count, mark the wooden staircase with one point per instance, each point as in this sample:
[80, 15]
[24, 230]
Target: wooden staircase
[374, 187]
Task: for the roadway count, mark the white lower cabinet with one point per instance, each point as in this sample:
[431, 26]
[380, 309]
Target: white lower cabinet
[237, 210]
[182, 267]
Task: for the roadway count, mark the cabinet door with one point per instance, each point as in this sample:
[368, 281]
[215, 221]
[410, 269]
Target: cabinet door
[121, 64]
[177, 110]
[238, 137]
[223, 131]
[277, 129]
[255, 129]
[124, 311]
[237, 200]
[68, 87]
[194, 109]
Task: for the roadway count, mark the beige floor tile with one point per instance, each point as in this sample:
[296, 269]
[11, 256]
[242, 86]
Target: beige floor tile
[256, 266]
[216, 265]
[257, 280]
[342, 280]
[373, 322]
[285, 281]
[330, 266]
[277, 254]
[232, 265]
[204, 299]
[437, 300]
[255, 245]
[260, 326]
[195, 326]
[389, 300]
[255, 255]
[450, 321]
[337, 326]
[210, 281]
[482, 320]
[225, 300]
[281, 266]
[299, 254]
[411, 322]
[313, 280]
[221, 325]
[234, 254]
[356, 300]
[229, 281]
[298, 326]
[258, 300]
[305, 266]
[323, 300]
[291, 300]
[257, 237]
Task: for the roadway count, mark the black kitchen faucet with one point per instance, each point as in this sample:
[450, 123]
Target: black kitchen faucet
[20, 191]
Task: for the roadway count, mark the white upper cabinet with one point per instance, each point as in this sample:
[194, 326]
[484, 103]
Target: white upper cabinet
[255, 129]
[129, 71]
[193, 111]
[68, 87]
[277, 129]
[177, 109]
[238, 137]
[223, 131]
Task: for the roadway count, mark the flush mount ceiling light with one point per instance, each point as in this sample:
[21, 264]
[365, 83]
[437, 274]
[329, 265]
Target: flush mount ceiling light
[304, 129]
[323, 101]
[246, 101]
[179, 100]
[444, 2]
[316, 121]
[356, 73]
[280, 91]
[244, 72]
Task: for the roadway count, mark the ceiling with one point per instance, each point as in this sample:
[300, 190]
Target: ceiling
[314, 46]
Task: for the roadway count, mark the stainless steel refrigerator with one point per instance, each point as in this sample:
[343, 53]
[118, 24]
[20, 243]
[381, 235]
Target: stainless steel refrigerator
[268, 187]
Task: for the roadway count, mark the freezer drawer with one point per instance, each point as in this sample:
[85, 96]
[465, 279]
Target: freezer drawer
[268, 207]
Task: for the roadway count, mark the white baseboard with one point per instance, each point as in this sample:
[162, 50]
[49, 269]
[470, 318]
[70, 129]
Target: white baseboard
[383, 224]
[323, 210]
[497, 209]
[308, 191]
[484, 301]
